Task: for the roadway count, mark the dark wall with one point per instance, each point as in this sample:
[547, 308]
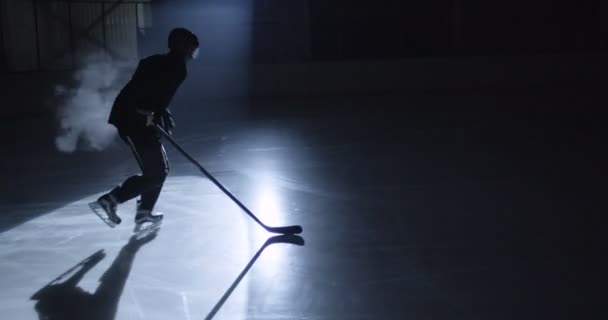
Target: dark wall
[297, 30]
[3, 66]
[533, 26]
[420, 28]
[380, 29]
[288, 31]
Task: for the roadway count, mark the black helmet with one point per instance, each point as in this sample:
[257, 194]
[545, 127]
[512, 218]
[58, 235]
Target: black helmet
[180, 37]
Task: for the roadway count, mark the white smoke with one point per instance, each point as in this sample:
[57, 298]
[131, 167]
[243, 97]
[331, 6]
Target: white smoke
[83, 115]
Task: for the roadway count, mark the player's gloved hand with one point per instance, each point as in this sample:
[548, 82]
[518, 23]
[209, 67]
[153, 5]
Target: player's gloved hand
[150, 120]
[165, 120]
[149, 116]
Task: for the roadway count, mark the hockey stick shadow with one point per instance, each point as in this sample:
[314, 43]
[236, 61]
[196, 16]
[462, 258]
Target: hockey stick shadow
[289, 239]
[63, 299]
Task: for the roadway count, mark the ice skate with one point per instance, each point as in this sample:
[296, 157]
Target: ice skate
[105, 208]
[146, 221]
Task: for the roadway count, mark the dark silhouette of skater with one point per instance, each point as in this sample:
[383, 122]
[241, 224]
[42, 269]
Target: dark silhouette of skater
[66, 301]
[140, 106]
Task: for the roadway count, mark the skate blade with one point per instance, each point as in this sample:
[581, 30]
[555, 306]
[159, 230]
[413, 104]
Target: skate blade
[145, 228]
[98, 210]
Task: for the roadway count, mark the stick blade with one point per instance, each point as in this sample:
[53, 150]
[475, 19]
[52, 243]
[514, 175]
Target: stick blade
[286, 230]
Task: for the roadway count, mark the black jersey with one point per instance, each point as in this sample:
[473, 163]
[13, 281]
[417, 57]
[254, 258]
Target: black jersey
[151, 88]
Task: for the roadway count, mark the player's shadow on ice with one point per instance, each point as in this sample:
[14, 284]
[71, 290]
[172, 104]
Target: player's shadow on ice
[288, 239]
[62, 299]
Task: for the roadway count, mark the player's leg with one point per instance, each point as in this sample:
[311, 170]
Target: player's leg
[149, 154]
[151, 159]
[157, 166]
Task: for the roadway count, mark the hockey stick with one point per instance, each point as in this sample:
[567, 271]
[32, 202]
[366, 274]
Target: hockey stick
[282, 230]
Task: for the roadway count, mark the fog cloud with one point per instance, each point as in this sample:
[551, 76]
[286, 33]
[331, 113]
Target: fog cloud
[85, 106]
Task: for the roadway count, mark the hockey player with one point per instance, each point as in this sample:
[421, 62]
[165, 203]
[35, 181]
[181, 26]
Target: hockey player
[140, 106]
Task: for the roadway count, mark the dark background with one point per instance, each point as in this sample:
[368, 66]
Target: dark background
[388, 29]
[317, 30]
[467, 136]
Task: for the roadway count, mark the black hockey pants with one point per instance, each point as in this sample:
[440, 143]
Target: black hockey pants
[152, 159]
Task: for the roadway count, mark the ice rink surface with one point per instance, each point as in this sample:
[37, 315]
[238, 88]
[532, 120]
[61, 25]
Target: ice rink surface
[416, 211]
